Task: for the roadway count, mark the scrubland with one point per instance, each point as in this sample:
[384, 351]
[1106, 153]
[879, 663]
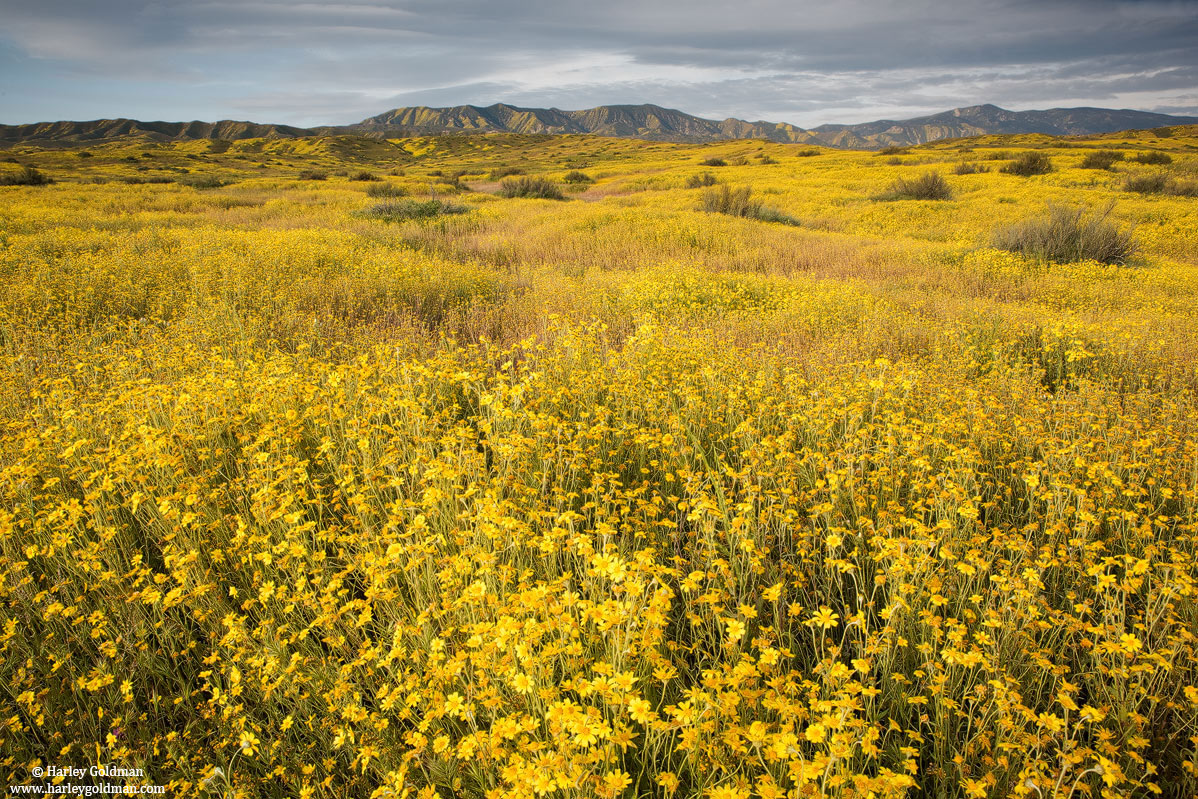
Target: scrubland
[313, 489]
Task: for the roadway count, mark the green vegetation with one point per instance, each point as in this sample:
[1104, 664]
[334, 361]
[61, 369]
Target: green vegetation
[25, 176]
[1067, 234]
[928, 186]
[403, 210]
[1101, 159]
[1028, 164]
[723, 199]
[531, 187]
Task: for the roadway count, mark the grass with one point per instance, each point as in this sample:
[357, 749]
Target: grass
[1067, 234]
[531, 187]
[928, 186]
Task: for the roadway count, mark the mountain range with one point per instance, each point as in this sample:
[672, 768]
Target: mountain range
[630, 121]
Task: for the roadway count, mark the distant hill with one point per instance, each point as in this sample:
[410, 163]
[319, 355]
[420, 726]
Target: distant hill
[101, 129]
[982, 120]
[627, 121]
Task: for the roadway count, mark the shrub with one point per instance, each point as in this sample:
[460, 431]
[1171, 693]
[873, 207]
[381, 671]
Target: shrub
[499, 173]
[534, 187]
[1029, 164]
[1066, 234]
[1146, 184]
[384, 189]
[1187, 189]
[893, 150]
[364, 176]
[1160, 184]
[85, 154]
[807, 153]
[698, 181]
[1101, 159]
[765, 159]
[714, 162]
[403, 210]
[724, 199]
[928, 186]
[312, 174]
[204, 182]
[26, 176]
[969, 168]
[576, 176]
[1153, 157]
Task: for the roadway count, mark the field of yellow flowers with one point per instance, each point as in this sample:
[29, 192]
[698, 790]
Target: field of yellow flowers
[599, 497]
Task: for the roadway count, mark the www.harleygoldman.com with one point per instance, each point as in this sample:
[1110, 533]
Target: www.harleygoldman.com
[85, 781]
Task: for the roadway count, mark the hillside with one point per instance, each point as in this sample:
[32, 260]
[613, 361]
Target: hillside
[650, 122]
[102, 129]
[981, 120]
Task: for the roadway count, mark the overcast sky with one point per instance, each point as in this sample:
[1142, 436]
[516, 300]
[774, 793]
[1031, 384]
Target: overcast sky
[310, 63]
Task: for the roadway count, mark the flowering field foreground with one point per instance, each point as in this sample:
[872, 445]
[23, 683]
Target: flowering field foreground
[598, 497]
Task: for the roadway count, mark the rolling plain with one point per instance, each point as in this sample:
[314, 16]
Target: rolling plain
[328, 470]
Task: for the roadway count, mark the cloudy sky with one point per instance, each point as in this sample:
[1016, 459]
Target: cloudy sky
[309, 63]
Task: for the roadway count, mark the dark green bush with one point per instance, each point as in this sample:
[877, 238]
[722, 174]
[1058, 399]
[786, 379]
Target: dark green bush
[928, 186]
[1147, 184]
[364, 176]
[501, 172]
[893, 150]
[698, 181]
[26, 176]
[1154, 157]
[1101, 159]
[807, 153]
[384, 189]
[1160, 184]
[575, 176]
[1028, 164]
[969, 168]
[403, 210]
[714, 162]
[1066, 234]
[312, 174]
[534, 187]
[204, 182]
[724, 199]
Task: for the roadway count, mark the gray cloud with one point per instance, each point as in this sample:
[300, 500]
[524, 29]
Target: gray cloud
[803, 62]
